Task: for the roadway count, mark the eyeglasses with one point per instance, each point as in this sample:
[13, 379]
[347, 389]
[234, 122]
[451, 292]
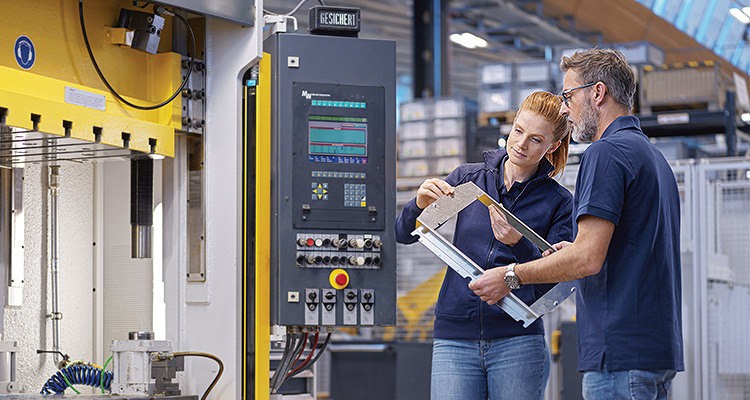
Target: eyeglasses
[566, 94]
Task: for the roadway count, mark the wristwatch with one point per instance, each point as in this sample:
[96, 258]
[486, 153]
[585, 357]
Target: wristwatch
[511, 280]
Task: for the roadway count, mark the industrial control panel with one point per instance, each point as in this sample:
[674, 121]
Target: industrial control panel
[333, 260]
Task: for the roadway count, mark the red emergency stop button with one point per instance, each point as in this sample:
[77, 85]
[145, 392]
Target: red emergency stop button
[339, 279]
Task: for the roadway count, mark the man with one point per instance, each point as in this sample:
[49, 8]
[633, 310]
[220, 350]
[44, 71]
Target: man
[626, 253]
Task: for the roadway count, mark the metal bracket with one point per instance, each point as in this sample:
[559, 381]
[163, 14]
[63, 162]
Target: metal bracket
[277, 24]
[444, 209]
[55, 316]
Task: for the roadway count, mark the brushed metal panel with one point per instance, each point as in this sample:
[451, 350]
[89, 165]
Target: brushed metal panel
[237, 11]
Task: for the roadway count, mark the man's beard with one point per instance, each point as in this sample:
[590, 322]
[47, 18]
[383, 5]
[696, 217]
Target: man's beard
[585, 131]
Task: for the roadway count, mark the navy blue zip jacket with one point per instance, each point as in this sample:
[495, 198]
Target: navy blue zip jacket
[543, 204]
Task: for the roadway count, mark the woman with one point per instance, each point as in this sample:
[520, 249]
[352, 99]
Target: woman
[479, 351]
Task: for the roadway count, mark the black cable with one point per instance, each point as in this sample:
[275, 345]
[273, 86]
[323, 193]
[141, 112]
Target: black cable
[206, 355]
[322, 348]
[298, 351]
[284, 358]
[285, 369]
[299, 354]
[304, 362]
[112, 90]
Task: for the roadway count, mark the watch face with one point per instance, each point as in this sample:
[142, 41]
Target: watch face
[511, 280]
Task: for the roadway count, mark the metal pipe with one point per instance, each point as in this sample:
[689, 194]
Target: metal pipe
[141, 206]
[56, 315]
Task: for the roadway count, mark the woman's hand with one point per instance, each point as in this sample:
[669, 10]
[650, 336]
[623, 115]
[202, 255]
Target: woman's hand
[491, 286]
[431, 190]
[502, 229]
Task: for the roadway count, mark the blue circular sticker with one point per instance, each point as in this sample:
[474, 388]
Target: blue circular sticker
[24, 52]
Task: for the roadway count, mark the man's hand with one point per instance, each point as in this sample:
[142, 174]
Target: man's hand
[431, 190]
[557, 246]
[502, 229]
[491, 286]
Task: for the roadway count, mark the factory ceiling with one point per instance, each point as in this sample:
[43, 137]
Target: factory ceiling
[518, 30]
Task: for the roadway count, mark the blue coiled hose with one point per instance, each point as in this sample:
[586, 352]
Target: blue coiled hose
[77, 375]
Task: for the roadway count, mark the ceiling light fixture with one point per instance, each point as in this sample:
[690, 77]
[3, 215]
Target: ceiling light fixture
[741, 14]
[468, 40]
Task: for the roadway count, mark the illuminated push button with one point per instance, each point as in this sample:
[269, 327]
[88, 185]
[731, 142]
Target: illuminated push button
[326, 242]
[318, 242]
[360, 260]
[360, 243]
[310, 242]
[339, 279]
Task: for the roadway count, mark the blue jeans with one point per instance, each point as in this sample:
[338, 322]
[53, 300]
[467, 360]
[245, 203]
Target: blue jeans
[634, 384]
[501, 369]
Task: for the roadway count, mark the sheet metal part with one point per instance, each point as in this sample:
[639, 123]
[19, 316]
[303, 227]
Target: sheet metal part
[444, 209]
[463, 265]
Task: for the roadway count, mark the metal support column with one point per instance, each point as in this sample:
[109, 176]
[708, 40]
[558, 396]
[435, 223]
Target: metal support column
[730, 124]
[430, 61]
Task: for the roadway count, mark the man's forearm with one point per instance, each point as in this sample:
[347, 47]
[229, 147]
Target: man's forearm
[562, 266]
[576, 260]
[582, 258]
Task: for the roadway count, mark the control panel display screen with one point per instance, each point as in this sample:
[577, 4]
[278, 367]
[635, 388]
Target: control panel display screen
[338, 136]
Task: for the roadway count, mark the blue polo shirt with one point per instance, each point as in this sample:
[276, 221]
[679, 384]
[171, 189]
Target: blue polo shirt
[630, 312]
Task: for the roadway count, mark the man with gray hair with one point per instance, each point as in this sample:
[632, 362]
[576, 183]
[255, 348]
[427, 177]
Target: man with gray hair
[626, 254]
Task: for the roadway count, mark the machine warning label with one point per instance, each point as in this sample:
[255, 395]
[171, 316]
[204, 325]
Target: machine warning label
[86, 99]
[24, 52]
